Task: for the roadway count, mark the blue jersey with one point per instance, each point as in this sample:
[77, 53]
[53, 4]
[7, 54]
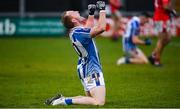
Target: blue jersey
[132, 30]
[85, 47]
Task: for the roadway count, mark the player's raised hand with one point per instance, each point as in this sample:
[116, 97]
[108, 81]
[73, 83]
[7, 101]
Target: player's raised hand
[148, 41]
[100, 5]
[91, 9]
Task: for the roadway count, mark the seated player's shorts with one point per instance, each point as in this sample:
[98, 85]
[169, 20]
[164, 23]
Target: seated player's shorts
[131, 53]
[162, 26]
[92, 81]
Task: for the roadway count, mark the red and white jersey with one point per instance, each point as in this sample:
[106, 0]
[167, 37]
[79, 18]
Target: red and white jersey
[160, 13]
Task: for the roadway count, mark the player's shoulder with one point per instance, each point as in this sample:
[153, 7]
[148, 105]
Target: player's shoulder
[135, 19]
[135, 22]
[81, 29]
[81, 33]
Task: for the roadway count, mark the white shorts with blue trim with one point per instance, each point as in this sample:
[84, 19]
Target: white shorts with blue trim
[93, 81]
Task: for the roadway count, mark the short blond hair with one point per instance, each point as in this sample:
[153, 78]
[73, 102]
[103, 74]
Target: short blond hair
[67, 21]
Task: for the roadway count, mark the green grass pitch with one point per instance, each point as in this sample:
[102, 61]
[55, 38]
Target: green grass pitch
[34, 69]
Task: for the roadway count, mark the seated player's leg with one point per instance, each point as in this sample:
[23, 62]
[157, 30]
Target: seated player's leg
[95, 93]
[87, 93]
[126, 58]
[139, 58]
[97, 97]
[99, 94]
[85, 100]
[135, 56]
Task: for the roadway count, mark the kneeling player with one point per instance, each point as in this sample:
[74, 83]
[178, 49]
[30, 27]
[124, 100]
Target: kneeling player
[130, 39]
[89, 67]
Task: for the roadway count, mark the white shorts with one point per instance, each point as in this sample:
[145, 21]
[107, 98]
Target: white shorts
[93, 81]
[160, 26]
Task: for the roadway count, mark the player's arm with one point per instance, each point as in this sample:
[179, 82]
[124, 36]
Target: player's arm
[90, 19]
[101, 24]
[138, 41]
[167, 5]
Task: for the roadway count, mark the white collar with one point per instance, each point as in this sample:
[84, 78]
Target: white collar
[136, 18]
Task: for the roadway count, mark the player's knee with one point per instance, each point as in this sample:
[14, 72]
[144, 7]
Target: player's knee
[100, 102]
[143, 61]
[146, 61]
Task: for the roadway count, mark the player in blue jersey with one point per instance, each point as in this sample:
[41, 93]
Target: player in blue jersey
[89, 67]
[130, 41]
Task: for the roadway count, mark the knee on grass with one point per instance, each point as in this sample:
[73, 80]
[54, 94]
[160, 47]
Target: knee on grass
[99, 102]
[144, 61]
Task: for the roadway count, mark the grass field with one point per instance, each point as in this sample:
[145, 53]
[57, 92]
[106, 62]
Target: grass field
[34, 69]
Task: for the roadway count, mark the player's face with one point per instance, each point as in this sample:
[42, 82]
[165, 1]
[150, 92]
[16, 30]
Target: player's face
[75, 15]
[144, 20]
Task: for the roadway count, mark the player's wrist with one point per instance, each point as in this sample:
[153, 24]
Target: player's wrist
[102, 11]
[91, 15]
[147, 41]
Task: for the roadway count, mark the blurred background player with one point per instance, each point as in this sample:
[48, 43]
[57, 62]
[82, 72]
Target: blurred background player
[89, 67]
[115, 5]
[163, 15]
[130, 39]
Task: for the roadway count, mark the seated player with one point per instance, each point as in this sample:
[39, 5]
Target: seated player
[89, 67]
[130, 41]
